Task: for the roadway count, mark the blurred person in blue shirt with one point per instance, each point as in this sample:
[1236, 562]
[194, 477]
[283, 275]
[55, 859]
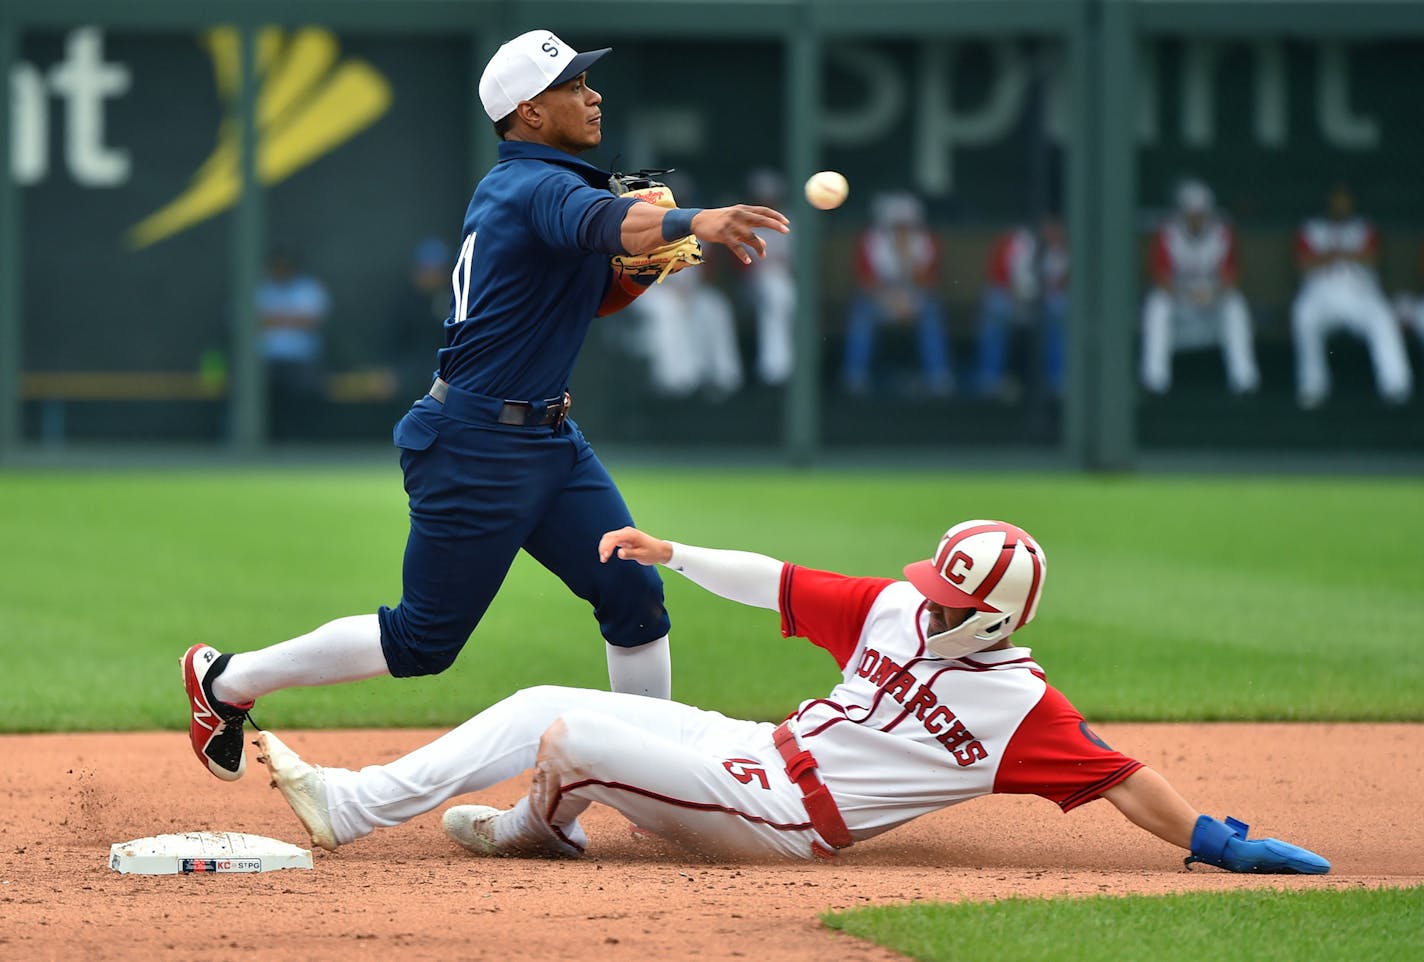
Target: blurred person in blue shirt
[416, 316]
[897, 264]
[292, 308]
[1026, 284]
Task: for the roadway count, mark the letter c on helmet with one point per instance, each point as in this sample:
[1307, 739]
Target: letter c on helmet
[957, 577]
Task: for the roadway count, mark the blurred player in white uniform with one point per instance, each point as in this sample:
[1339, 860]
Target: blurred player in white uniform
[936, 706]
[1336, 255]
[1194, 302]
[690, 335]
[772, 289]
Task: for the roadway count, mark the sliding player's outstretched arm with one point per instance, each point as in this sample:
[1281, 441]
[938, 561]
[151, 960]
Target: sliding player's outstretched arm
[1151, 803]
[741, 576]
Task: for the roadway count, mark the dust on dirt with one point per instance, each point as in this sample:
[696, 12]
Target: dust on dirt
[1344, 790]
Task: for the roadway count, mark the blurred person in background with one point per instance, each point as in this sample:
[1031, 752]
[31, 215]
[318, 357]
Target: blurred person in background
[688, 327]
[292, 309]
[690, 335]
[771, 287]
[1026, 284]
[416, 316]
[1194, 302]
[1336, 254]
[897, 265]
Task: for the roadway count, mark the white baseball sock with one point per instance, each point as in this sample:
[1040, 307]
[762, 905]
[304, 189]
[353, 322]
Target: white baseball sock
[520, 832]
[645, 670]
[347, 649]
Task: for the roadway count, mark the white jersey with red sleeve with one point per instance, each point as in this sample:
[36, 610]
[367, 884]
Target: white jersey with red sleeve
[896, 258]
[1198, 263]
[906, 733]
[1014, 265]
[1342, 246]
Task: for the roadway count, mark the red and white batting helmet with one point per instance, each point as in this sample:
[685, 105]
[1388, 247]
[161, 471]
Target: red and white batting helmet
[995, 568]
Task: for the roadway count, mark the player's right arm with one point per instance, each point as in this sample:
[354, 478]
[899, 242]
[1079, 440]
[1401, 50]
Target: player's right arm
[741, 576]
[1149, 802]
[733, 227]
[826, 608]
[1152, 804]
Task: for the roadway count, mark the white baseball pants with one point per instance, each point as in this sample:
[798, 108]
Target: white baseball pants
[1349, 300]
[691, 338]
[775, 294]
[712, 784]
[1161, 314]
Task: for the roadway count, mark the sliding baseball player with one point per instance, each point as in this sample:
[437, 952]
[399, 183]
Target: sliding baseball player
[937, 705]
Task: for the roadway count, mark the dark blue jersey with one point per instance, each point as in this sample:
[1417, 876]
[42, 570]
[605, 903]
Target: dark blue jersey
[528, 281]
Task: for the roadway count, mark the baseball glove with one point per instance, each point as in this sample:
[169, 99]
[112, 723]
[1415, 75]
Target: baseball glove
[670, 258]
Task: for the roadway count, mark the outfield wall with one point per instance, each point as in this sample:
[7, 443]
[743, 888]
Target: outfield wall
[129, 250]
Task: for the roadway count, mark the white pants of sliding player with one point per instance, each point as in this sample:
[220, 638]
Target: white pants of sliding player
[712, 784]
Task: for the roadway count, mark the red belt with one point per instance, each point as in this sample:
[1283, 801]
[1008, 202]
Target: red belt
[820, 806]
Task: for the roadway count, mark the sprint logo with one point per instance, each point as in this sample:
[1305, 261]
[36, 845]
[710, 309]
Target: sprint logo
[310, 102]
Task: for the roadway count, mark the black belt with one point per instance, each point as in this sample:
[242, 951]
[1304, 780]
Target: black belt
[522, 413]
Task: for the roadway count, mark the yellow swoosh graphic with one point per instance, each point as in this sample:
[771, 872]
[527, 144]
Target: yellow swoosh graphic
[306, 108]
[308, 57]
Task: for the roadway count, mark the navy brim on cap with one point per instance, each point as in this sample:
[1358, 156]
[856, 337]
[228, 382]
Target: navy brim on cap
[578, 65]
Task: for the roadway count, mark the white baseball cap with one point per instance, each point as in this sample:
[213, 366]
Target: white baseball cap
[528, 65]
[1194, 197]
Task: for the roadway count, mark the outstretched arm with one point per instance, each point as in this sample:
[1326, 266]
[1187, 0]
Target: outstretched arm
[741, 576]
[1152, 804]
[732, 227]
[1149, 802]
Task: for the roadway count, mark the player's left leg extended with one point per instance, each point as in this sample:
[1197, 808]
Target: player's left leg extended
[627, 597]
[713, 785]
[498, 743]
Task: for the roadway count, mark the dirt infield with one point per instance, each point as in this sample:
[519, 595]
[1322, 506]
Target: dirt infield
[1348, 791]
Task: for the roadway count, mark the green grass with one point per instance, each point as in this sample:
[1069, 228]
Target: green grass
[1166, 598]
[1379, 925]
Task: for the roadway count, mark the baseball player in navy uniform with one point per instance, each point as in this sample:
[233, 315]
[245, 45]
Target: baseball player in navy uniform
[492, 461]
[937, 704]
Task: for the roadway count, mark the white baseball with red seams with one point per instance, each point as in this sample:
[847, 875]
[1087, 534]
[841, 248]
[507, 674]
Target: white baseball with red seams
[827, 189]
[904, 733]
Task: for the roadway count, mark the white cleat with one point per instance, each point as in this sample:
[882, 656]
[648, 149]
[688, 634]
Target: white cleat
[302, 785]
[473, 827]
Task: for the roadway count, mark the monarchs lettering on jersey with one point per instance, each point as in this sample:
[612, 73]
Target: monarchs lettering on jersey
[898, 682]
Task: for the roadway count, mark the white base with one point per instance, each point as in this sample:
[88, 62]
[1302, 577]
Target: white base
[194, 852]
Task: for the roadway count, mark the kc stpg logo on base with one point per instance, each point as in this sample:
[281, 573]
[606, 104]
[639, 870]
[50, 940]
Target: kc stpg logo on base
[205, 852]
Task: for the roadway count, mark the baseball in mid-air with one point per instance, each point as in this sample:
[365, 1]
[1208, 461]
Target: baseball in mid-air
[826, 190]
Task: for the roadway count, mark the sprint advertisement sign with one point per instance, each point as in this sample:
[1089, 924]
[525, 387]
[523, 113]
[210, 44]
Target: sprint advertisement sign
[126, 147]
